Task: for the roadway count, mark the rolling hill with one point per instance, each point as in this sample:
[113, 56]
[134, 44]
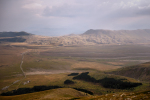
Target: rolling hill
[97, 37]
[13, 36]
[139, 72]
[117, 36]
[90, 37]
[71, 94]
[54, 94]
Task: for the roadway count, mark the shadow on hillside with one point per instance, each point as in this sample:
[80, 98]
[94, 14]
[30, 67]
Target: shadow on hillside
[13, 34]
[73, 74]
[29, 90]
[15, 39]
[108, 82]
[84, 90]
[37, 89]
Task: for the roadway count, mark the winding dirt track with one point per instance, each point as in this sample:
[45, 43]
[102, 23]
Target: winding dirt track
[6, 87]
[22, 63]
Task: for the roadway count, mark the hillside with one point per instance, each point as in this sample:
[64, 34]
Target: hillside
[96, 37]
[54, 94]
[85, 66]
[140, 72]
[71, 94]
[117, 36]
[13, 36]
[90, 37]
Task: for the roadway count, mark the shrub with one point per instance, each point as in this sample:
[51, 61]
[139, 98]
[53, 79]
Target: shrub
[84, 90]
[68, 82]
[84, 76]
[73, 74]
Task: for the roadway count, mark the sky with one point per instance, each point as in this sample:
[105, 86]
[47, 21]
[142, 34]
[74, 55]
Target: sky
[63, 17]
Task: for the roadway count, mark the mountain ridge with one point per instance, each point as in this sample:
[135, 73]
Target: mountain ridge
[13, 34]
[91, 37]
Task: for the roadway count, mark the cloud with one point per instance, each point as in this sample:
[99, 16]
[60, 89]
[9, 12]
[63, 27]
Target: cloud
[33, 6]
[58, 17]
[68, 10]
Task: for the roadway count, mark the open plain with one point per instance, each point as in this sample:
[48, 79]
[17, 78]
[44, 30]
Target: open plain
[51, 65]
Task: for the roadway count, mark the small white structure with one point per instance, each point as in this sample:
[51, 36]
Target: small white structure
[26, 82]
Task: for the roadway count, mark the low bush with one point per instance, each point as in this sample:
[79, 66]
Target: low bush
[68, 82]
[84, 90]
[73, 74]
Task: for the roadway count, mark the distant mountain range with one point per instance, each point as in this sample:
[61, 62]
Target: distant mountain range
[90, 37]
[13, 34]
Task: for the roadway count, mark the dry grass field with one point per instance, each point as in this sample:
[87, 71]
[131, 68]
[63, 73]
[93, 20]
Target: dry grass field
[55, 94]
[49, 66]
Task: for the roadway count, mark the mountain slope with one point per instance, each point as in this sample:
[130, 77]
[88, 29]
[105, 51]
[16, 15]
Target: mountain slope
[117, 36]
[94, 37]
[54, 94]
[71, 94]
[90, 37]
[140, 72]
[13, 36]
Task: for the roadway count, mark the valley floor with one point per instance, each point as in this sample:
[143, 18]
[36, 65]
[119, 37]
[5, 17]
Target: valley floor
[50, 66]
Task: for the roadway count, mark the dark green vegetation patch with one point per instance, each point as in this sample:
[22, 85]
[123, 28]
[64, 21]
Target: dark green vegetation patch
[84, 90]
[84, 76]
[108, 82]
[15, 39]
[13, 34]
[73, 74]
[117, 84]
[29, 90]
[68, 82]
[140, 72]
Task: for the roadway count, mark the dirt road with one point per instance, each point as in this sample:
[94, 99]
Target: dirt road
[6, 87]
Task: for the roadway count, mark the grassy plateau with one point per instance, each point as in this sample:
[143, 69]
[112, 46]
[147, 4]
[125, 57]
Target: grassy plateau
[74, 72]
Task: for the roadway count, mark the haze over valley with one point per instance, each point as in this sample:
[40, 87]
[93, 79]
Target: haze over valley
[74, 50]
[90, 37]
[83, 64]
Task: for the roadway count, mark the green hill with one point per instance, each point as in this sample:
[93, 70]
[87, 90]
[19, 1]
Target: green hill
[72, 94]
[54, 94]
[13, 34]
[139, 72]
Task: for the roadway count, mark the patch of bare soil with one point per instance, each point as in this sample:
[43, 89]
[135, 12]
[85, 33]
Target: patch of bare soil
[93, 65]
[38, 72]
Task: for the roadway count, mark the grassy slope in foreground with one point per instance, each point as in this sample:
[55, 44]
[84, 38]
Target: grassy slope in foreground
[68, 93]
[60, 93]
[140, 72]
[145, 95]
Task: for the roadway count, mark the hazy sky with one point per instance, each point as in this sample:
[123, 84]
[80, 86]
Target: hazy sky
[61, 17]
